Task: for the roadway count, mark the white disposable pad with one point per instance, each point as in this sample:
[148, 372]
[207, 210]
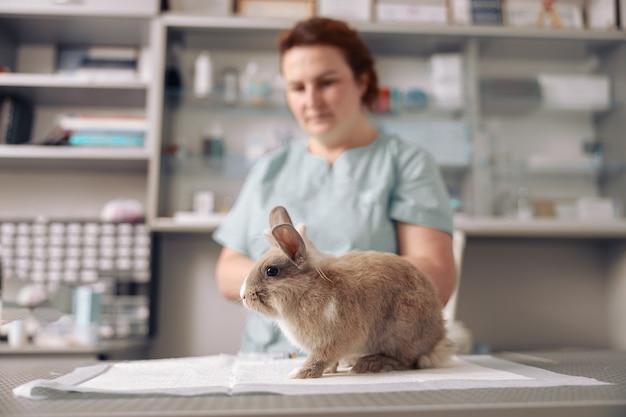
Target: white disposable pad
[232, 375]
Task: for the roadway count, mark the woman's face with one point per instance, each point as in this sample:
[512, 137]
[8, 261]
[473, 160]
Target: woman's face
[322, 92]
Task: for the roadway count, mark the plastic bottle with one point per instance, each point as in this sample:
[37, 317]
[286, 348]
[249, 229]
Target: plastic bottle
[203, 77]
[524, 205]
[213, 141]
[230, 79]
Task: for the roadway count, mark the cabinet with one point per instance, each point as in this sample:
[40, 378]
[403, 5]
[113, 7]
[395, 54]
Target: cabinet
[62, 184]
[521, 144]
[27, 172]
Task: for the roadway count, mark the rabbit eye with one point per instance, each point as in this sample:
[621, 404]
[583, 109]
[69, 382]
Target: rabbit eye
[271, 271]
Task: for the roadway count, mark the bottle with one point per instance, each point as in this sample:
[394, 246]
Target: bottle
[203, 76]
[524, 205]
[230, 80]
[248, 81]
[213, 142]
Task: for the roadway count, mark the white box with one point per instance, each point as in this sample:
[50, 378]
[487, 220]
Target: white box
[591, 208]
[601, 14]
[83, 7]
[345, 9]
[575, 91]
[205, 7]
[423, 11]
[446, 79]
[281, 9]
[460, 12]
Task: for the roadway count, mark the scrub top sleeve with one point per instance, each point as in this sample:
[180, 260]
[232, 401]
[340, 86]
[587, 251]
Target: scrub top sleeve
[420, 196]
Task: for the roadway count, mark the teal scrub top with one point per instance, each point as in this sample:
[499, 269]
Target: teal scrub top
[351, 205]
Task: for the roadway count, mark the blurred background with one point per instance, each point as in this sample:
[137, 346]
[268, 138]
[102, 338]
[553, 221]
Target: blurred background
[127, 128]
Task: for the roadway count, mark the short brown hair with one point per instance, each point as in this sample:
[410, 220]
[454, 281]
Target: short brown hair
[331, 32]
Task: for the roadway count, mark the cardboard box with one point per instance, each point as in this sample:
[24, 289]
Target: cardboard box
[423, 11]
[287, 9]
[526, 13]
[345, 9]
[36, 59]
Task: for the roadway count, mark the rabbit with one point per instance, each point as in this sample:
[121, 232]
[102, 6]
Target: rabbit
[372, 309]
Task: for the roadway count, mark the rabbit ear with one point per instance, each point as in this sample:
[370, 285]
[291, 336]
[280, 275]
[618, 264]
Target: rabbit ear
[279, 215]
[291, 243]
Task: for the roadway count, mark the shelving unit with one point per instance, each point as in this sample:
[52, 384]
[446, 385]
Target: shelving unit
[485, 51]
[72, 183]
[53, 94]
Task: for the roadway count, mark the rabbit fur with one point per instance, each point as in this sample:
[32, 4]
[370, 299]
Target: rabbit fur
[373, 309]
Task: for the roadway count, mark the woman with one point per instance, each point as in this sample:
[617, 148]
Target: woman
[354, 188]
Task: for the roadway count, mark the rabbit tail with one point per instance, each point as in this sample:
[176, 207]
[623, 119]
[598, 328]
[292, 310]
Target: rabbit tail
[439, 356]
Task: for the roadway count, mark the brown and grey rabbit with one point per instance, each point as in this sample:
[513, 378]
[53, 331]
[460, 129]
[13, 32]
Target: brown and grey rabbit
[373, 309]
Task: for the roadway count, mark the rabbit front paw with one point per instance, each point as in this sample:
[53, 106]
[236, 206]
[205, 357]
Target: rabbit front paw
[305, 372]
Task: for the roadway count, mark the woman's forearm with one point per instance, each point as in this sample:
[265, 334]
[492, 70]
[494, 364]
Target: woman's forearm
[231, 270]
[430, 250]
[442, 275]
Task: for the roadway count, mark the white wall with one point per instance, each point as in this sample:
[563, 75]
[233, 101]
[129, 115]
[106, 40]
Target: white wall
[193, 318]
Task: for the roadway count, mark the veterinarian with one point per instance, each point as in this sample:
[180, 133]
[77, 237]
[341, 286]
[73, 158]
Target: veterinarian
[353, 187]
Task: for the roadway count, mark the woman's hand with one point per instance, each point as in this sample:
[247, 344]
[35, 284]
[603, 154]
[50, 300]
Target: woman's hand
[231, 270]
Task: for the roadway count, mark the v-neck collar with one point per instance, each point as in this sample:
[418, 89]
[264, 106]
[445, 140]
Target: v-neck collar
[345, 158]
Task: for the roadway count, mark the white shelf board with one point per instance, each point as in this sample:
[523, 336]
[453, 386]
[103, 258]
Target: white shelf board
[36, 156]
[67, 90]
[169, 224]
[397, 28]
[71, 152]
[67, 81]
[471, 226]
[504, 227]
[186, 21]
[105, 346]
